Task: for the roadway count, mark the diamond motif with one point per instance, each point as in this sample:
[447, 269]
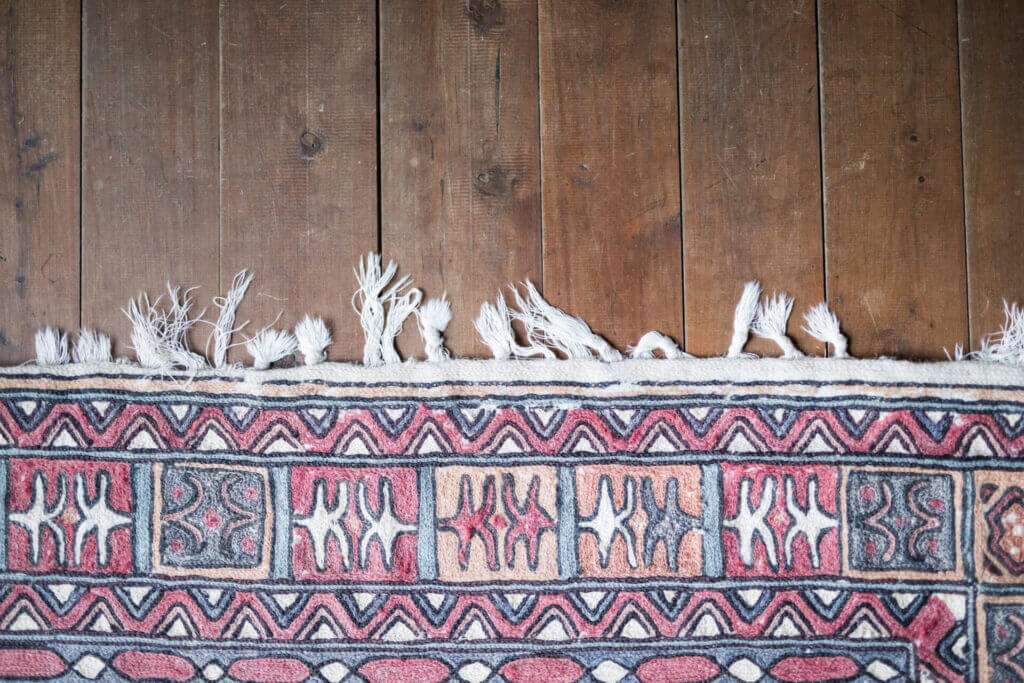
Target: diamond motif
[90, 666]
[609, 672]
[881, 671]
[475, 672]
[746, 670]
[213, 672]
[334, 671]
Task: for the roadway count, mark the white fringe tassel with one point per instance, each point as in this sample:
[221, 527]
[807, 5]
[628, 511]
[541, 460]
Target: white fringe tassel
[433, 318]
[494, 325]
[92, 347]
[159, 337]
[313, 338]
[771, 320]
[269, 346]
[369, 301]
[225, 325]
[1007, 345]
[550, 327]
[400, 305]
[51, 347]
[656, 341]
[743, 318]
[823, 324]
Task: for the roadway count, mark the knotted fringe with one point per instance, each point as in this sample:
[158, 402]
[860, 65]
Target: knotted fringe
[402, 303]
[160, 328]
[656, 341]
[494, 325]
[269, 346]
[225, 325]
[771, 320]
[822, 324]
[1006, 345]
[382, 313]
[550, 327]
[433, 318]
[160, 337]
[52, 347]
[313, 338]
[743, 318]
[92, 347]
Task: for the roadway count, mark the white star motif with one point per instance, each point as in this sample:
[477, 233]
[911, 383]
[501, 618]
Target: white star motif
[749, 524]
[98, 517]
[385, 527]
[38, 516]
[324, 522]
[813, 523]
[606, 522]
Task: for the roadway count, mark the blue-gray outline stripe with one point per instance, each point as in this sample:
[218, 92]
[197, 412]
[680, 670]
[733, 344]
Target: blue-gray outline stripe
[711, 519]
[142, 490]
[568, 562]
[281, 559]
[426, 535]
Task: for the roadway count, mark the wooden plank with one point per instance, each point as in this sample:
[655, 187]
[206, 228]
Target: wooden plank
[299, 158]
[150, 159]
[751, 171]
[893, 175]
[460, 157]
[40, 60]
[992, 88]
[609, 131]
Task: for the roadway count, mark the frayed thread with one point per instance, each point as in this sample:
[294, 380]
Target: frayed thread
[771, 321]
[313, 338]
[550, 327]
[402, 302]
[92, 347]
[269, 346]
[743, 318]
[382, 313]
[433, 318]
[1007, 345]
[225, 325]
[160, 337]
[51, 347]
[656, 341]
[822, 323]
[494, 325]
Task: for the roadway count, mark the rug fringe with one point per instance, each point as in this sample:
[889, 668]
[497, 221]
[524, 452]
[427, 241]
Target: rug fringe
[52, 347]
[384, 302]
[92, 347]
[313, 338]
[433, 317]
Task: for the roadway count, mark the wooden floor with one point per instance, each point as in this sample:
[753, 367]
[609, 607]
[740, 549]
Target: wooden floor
[640, 160]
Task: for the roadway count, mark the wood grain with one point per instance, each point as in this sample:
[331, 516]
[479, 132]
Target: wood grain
[992, 90]
[460, 152]
[751, 171]
[299, 158]
[893, 178]
[150, 155]
[39, 170]
[609, 130]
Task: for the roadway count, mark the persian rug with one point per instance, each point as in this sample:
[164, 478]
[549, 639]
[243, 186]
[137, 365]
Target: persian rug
[642, 520]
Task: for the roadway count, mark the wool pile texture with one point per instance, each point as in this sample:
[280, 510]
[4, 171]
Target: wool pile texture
[654, 520]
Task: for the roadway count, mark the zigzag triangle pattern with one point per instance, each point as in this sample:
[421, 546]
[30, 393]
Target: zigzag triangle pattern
[603, 532]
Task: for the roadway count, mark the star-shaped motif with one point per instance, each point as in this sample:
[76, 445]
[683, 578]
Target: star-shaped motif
[97, 517]
[324, 522]
[385, 527]
[812, 523]
[749, 524]
[606, 522]
[38, 516]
